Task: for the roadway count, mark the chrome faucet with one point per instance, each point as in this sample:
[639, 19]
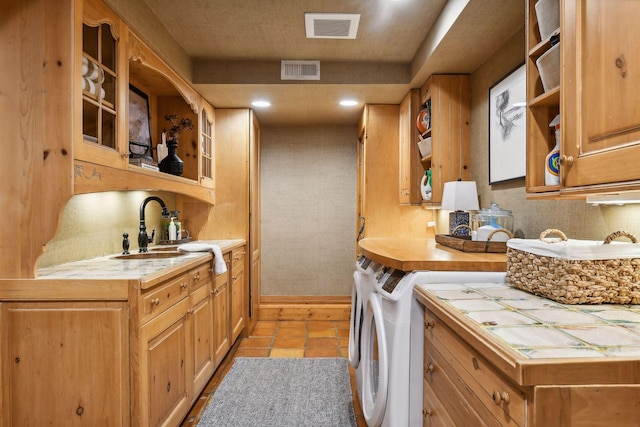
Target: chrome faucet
[143, 238]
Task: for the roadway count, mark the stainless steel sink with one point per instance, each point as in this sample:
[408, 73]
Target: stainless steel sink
[151, 255]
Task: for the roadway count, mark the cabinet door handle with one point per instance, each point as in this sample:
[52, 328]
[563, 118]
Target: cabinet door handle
[183, 285]
[427, 413]
[566, 160]
[501, 397]
[429, 324]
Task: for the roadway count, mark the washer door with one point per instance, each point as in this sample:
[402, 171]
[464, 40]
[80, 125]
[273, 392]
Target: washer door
[355, 323]
[376, 363]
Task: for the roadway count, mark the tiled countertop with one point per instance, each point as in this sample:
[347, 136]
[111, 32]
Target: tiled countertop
[538, 328]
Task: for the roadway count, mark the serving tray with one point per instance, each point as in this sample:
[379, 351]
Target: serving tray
[465, 244]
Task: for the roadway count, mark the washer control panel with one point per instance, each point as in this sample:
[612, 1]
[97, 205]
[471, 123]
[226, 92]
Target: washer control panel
[389, 278]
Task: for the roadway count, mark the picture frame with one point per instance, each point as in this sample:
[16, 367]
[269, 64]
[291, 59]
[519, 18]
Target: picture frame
[139, 124]
[507, 127]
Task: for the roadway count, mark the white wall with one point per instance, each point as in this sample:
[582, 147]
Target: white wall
[308, 177]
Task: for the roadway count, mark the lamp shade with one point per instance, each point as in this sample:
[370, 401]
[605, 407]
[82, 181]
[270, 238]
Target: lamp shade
[460, 196]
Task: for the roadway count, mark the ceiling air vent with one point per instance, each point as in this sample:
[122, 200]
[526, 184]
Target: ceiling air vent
[299, 70]
[331, 25]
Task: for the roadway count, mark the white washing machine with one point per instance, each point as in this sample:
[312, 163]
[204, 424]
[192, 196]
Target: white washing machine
[363, 280]
[392, 351]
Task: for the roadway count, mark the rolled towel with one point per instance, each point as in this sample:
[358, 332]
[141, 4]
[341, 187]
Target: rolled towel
[93, 71]
[220, 266]
[89, 86]
[85, 66]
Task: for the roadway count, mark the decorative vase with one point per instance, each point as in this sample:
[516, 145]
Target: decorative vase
[172, 163]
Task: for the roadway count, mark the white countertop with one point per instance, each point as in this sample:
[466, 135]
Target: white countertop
[108, 267]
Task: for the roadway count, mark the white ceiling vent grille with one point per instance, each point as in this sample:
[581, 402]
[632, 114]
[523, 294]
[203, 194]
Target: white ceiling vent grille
[299, 70]
[331, 25]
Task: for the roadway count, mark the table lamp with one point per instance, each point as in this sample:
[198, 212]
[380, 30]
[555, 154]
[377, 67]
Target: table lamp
[459, 196]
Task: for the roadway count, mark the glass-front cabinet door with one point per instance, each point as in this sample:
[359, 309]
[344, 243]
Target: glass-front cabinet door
[207, 117]
[100, 81]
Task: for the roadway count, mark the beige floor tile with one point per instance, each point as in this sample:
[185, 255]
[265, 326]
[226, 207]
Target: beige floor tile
[287, 352]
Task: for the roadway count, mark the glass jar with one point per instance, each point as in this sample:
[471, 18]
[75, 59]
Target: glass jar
[489, 219]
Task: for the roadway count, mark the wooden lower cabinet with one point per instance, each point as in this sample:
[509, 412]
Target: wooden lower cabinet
[52, 352]
[470, 381]
[177, 356]
[201, 320]
[164, 360]
[238, 304]
[222, 339]
[139, 360]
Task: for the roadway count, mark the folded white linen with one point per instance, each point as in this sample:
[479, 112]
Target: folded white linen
[220, 266]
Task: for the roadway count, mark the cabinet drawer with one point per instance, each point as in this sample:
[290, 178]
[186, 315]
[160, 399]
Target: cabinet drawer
[200, 276]
[433, 412]
[237, 257]
[164, 296]
[502, 398]
[201, 293]
[463, 406]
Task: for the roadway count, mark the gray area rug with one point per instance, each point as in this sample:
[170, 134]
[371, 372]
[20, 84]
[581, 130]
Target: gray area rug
[284, 393]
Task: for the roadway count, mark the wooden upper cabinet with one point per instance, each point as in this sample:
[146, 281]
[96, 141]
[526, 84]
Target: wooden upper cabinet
[600, 121]
[101, 80]
[600, 110]
[410, 168]
[445, 103]
[168, 94]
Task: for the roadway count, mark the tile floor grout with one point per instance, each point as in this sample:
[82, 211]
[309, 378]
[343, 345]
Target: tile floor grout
[317, 341]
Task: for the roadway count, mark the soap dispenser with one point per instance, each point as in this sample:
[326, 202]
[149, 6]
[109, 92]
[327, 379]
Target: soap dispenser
[172, 230]
[552, 161]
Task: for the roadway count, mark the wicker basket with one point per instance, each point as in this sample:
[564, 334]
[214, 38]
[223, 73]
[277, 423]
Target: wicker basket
[612, 280]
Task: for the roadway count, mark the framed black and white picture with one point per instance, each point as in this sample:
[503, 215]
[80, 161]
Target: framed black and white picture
[507, 127]
[139, 124]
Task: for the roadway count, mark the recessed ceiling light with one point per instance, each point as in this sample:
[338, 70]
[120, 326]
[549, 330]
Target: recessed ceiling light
[261, 104]
[348, 103]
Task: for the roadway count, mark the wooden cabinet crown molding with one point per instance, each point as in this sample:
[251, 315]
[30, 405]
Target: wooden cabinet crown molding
[140, 53]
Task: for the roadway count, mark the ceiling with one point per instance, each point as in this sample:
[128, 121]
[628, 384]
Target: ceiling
[236, 48]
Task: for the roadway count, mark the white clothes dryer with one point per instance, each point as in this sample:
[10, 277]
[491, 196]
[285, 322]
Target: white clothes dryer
[392, 351]
[363, 279]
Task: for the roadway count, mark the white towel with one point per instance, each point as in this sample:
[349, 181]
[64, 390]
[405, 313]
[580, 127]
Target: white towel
[220, 266]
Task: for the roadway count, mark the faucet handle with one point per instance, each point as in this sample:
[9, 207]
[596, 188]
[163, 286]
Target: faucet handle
[153, 234]
[125, 243]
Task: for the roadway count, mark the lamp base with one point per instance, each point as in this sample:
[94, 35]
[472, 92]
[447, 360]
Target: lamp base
[457, 218]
